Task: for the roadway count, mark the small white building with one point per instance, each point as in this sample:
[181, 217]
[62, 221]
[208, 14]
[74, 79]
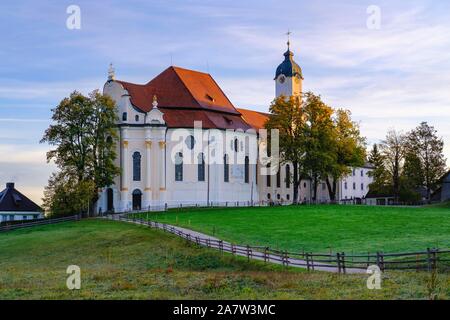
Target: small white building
[14, 206]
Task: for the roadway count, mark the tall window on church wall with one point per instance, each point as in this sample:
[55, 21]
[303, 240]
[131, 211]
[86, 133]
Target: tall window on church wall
[136, 166]
[288, 176]
[268, 177]
[179, 167]
[226, 169]
[201, 167]
[247, 170]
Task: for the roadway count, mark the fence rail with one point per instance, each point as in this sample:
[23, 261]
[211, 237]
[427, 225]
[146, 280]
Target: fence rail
[38, 223]
[428, 260]
[261, 203]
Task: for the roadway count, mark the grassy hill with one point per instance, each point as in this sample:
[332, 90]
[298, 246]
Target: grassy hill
[319, 228]
[123, 261]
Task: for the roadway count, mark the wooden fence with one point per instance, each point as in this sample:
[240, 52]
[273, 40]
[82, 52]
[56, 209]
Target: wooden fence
[428, 260]
[38, 223]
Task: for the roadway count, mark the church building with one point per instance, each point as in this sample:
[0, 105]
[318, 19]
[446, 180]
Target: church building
[183, 142]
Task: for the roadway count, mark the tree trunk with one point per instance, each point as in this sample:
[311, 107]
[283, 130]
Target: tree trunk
[331, 189]
[296, 183]
[315, 188]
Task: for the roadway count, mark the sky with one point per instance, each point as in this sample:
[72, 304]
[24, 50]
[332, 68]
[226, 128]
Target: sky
[393, 73]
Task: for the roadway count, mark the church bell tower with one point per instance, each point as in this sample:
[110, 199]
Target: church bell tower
[288, 77]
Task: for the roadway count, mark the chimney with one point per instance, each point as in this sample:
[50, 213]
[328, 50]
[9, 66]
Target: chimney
[10, 185]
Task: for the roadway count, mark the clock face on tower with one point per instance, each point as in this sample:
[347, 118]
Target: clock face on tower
[282, 79]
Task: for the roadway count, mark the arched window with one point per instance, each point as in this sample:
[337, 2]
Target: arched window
[279, 178]
[226, 169]
[201, 167]
[190, 142]
[268, 177]
[136, 166]
[124, 116]
[247, 170]
[179, 166]
[236, 145]
[136, 118]
[288, 176]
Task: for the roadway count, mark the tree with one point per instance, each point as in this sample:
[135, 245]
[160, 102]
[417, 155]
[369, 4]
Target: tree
[318, 138]
[393, 151]
[426, 149]
[288, 118]
[412, 177]
[84, 135]
[64, 195]
[348, 150]
[379, 174]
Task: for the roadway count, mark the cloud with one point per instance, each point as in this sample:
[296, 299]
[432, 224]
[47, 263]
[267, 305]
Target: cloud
[25, 165]
[46, 90]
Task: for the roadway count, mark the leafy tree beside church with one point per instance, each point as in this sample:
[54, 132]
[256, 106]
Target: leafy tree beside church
[84, 139]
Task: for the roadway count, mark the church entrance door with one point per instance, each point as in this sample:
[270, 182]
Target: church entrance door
[110, 200]
[137, 199]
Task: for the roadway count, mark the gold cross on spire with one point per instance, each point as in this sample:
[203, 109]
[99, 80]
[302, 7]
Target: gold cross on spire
[289, 38]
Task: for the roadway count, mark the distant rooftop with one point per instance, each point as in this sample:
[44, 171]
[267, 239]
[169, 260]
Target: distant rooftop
[12, 200]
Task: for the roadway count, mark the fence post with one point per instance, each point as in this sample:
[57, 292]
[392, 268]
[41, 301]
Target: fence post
[429, 259]
[266, 257]
[307, 261]
[378, 260]
[343, 262]
[381, 262]
[338, 260]
[248, 253]
[286, 256]
[432, 259]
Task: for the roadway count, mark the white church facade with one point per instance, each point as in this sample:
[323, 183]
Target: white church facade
[182, 143]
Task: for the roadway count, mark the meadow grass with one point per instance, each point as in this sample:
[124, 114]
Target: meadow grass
[358, 229]
[124, 261]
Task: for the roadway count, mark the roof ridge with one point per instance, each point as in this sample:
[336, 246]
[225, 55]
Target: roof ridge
[191, 70]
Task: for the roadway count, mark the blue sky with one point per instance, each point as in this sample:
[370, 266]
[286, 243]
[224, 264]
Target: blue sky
[394, 77]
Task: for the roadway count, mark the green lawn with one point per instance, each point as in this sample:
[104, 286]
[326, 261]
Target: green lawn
[318, 228]
[124, 261]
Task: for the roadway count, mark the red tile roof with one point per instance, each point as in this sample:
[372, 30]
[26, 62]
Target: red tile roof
[184, 118]
[180, 88]
[185, 96]
[254, 118]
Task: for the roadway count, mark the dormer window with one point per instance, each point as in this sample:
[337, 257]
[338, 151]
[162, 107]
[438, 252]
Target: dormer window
[124, 116]
[210, 98]
[228, 120]
[136, 118]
